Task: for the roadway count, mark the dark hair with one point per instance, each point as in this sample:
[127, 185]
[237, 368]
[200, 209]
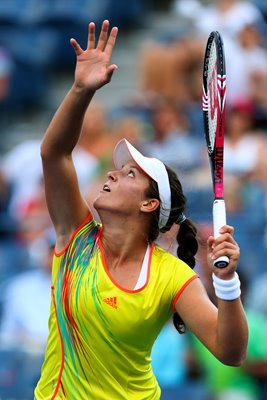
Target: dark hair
[186, 236]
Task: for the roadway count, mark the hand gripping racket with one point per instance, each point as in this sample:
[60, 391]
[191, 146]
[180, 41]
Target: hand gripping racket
[213, 103]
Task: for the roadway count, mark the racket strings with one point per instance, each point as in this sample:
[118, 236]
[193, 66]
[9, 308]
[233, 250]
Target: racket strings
[212, 94]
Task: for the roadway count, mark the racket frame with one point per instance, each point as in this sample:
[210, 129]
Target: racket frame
[213, 104]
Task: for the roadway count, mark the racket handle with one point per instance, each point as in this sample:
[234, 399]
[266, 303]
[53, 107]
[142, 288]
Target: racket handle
[219, 219]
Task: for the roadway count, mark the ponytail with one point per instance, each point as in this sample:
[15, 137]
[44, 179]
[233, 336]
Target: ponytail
[187, 248]
[187, 243]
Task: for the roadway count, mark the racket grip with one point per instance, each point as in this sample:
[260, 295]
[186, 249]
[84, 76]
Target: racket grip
[219, 219]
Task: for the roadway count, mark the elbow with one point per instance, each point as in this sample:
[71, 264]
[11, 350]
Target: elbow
[48, 152]
[43, 151]
[51, 150]
[234, 360]
[234, 363]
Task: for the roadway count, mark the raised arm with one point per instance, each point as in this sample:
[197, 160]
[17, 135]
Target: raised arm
[223, 329]
[93, 70]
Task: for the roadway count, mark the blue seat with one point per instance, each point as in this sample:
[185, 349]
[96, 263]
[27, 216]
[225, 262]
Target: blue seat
[9, 12]
[127, 14]
[31, 45]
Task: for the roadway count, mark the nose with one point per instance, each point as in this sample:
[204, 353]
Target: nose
[112, 175]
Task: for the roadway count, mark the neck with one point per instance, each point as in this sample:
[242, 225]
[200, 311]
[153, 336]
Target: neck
[124, 255]
[123, 237]
[123, 244]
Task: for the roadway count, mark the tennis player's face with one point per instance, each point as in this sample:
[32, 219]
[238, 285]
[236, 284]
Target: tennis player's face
[124, 190]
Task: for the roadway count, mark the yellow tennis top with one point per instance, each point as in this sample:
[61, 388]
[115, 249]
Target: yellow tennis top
[101, 335]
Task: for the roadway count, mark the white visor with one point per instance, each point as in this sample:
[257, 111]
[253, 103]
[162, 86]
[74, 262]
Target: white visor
[152, 167]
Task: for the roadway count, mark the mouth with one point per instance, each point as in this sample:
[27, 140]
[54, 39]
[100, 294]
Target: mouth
[106, 188]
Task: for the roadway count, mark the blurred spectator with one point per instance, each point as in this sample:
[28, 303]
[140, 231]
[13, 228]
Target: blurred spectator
[257, 294]
[34, 217]
[6, 70]
[228, 17]
[5, 222]
[12, 251]
[259, 97]
[22, 170]
[172, 141]
[174, 68]
[250, 59]
[187, 9]
[245, 161]
[26, 300]
[97, 138]
[245, 148]
[25, 157]
[167, 67]
[6, 67]
[130, 128]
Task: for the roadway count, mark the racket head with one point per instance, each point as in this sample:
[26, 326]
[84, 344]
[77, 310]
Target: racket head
[213, 104]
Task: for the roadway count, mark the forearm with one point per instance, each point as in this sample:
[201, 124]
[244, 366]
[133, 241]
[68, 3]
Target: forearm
[256, 368]
[64, 130]
[232, 332]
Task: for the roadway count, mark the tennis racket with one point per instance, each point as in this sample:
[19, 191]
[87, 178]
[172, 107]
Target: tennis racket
[213, 103]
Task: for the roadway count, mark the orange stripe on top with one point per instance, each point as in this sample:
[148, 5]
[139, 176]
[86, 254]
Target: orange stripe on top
[58, 254]
[62, 348]
[181, 290]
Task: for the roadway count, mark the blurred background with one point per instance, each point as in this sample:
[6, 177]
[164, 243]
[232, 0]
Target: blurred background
[154, 100]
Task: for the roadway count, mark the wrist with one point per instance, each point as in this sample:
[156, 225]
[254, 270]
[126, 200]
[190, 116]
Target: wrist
[227, 289]
[82, 90]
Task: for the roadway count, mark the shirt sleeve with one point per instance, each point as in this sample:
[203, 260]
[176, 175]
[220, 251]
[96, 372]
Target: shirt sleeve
[183, 275]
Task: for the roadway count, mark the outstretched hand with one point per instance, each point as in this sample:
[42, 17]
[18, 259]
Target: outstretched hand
[224, 245]
[93, 69]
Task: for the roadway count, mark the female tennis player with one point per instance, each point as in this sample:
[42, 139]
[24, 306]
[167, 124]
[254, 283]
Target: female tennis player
[113, 288]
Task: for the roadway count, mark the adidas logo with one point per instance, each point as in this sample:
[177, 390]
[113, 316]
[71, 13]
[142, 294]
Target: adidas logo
[111, 301]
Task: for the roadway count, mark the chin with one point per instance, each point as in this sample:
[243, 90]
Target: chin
[99, 203]
[96, 202]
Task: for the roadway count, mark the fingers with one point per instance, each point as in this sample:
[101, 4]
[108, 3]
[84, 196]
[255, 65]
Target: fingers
[224, 245]
[225, 249]
[105, 42]
[91, 36]
[103, 36]
[227, 228]
[111, 41]
[110, 71]
[77, 48]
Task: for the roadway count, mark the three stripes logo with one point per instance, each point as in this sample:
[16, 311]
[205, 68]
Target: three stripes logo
[111, 301]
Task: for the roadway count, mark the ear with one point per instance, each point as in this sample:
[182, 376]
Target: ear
[149, 205]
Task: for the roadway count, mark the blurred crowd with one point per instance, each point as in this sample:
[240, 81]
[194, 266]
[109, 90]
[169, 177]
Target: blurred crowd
[164, 119]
